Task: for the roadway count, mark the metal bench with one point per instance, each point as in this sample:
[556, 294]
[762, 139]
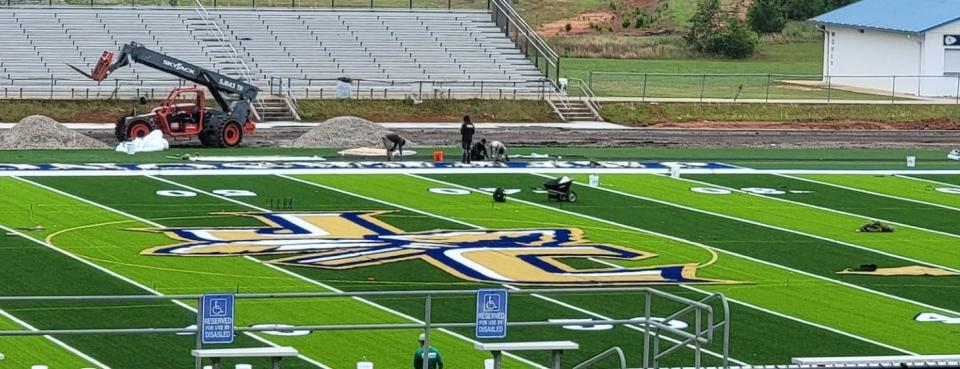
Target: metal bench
[859, 360]
[274, 353]
[556, 347]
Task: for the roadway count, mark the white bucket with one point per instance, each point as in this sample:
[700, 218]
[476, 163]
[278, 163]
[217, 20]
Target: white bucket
[594, 180]
[364, 365]
[488, 364]
[911, 161]
[243, 366]
[675, 171]
[39, 367]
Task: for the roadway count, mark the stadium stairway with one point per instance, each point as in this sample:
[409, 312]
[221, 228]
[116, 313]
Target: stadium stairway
[387, 53]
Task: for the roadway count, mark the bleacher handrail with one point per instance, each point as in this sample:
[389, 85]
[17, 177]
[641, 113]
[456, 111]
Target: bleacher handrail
[541, 48]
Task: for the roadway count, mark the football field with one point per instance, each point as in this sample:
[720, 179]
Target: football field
[783, 248]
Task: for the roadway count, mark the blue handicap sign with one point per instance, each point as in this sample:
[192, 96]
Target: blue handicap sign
[492, 313]
[216, 318]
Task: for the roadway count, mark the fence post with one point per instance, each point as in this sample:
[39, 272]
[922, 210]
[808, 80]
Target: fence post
[893, 91]
[590, 79]
[643, 97]
[52, 81]
[703, 83]
[767, 98]
[958, 89]
[426, 331]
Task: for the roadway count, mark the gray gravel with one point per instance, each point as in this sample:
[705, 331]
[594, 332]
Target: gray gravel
[40, 132]
[342, 133]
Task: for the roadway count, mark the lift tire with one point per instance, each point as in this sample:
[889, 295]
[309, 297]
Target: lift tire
[231, 134]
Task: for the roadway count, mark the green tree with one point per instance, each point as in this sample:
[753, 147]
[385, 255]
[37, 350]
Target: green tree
[766, 16]
[713, 32]
[704, 25]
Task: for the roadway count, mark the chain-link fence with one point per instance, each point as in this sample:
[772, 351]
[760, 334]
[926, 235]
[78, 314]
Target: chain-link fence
[769, 87]
[344, 4]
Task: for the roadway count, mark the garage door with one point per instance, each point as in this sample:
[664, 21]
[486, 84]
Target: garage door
[951, 61]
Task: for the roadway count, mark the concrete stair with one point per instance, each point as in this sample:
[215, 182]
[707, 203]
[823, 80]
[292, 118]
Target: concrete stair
[575, 110]
[275, 109]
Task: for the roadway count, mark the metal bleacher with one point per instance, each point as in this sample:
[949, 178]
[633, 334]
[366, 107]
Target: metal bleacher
[388, 53]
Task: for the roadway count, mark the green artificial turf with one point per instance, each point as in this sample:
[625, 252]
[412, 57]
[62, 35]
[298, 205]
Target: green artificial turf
[947, 180]
[391, 348]
[908, 242]
[175, 275]
[902, 187]
[774, 288]
[414, 275]
[863, 204]
[745, 347]
[800, 252]
[23, 352]
[32, 269]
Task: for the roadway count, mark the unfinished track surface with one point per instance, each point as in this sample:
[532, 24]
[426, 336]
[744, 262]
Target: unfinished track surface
[640, 138]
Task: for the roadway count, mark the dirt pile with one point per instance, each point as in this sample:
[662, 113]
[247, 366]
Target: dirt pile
[343, 133]
[40, 132]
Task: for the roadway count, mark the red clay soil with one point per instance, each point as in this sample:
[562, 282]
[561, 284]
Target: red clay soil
[939, 124]
[580, 24]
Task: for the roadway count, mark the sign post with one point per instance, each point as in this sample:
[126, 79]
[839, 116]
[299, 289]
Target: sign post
[491, 313]
[216, 323]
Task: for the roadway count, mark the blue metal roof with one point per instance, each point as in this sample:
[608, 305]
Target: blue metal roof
[907, 16]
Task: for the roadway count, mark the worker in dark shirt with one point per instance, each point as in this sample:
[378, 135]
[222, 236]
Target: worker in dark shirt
[394, 145]
[433, 362]
[479, 150]
[466, 138]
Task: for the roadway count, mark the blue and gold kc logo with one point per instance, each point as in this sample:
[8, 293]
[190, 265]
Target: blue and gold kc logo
[345, 240]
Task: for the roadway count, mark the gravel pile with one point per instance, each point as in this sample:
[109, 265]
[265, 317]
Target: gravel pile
[343, 133]
[40, 132]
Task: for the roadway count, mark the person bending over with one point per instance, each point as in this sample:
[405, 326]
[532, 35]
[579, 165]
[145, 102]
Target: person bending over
[497, 151]
[394, 145]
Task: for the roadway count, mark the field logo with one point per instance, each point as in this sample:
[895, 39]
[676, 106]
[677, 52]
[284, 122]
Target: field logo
[346, 240]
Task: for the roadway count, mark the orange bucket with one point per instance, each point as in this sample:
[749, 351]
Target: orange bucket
[438, 156]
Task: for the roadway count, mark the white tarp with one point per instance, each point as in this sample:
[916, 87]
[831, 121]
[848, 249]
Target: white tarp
[224, 159]
[150, 143]
[371, 151]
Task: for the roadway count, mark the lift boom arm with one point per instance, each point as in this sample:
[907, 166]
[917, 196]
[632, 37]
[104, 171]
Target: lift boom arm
[216, 83]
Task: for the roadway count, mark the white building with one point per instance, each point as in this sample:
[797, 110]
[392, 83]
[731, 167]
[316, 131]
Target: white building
[911, 46]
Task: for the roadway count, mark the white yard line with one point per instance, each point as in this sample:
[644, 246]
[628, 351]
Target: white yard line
[50, 338]
[778, 228]
[775, 265]
[871, 192]
[841, 212]
[457, 221]
[951, 185]
[128, 280]
[326, 286]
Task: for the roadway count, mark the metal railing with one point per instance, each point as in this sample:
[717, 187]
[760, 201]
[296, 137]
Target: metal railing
[339, 4]
[603, 355]
[524, 37]
[82, 89]
[325, 88]
[771, 87]
[235, 59]
[699, 314]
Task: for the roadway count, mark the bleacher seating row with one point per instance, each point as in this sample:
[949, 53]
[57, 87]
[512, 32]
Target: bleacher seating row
[306, 49]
